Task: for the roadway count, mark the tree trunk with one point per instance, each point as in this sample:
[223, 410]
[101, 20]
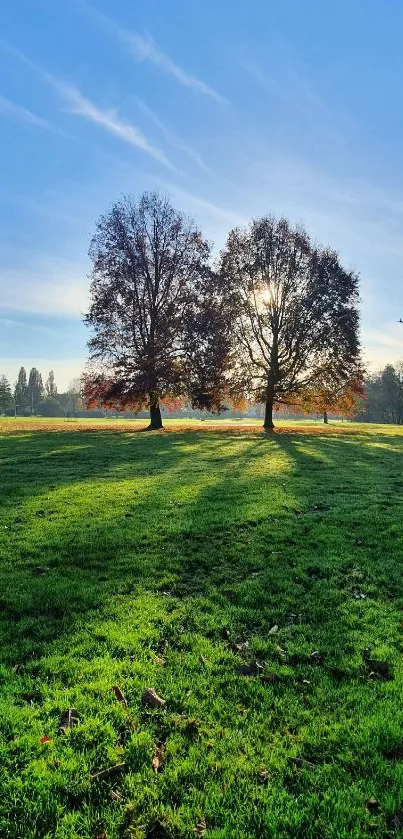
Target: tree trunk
[155, 413]
[268, 415]
[325, 418]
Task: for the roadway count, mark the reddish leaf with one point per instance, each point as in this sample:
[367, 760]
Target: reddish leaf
[45, 739]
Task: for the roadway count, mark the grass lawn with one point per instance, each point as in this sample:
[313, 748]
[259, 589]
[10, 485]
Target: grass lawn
[176, 561]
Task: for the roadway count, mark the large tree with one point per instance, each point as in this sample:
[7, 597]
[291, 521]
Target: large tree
[295, 312]
[149, 262]
[21, 392]
[6, 396]
[35, 390]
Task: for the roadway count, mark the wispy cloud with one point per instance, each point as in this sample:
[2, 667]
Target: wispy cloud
[10, 109]
[172, 138]
[110, 120]
[144, 48]
[80, 105]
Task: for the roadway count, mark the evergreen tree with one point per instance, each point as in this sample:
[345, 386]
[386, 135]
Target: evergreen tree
[50, 386]
[35, 390]
[6, 396]
[21, 392]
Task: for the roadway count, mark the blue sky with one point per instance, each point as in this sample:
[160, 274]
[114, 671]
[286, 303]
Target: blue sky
[235, 109]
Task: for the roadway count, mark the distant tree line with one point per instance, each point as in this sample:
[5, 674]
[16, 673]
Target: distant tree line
[383, 400]
[378, 399]
[31, 397]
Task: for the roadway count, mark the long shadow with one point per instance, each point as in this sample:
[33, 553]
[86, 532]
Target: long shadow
[269, 528]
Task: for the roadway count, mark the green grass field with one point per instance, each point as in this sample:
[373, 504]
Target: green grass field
[167, 561]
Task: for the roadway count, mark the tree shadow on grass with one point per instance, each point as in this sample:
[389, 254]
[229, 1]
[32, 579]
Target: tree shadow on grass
[262, 528]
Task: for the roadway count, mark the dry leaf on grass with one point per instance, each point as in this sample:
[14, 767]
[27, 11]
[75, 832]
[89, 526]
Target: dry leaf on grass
[301, 763]
[273, 630]
[120, 695]
[45, 739]
[316, 657]
[241, 648]
[106, 773]
[158, 759]
[203, 660]
[200, 828]
[151, 699]
[68, 720]
[160, 660]
[115, 795]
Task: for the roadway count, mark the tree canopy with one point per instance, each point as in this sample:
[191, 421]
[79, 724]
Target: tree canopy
[150, 264]
[294, 313]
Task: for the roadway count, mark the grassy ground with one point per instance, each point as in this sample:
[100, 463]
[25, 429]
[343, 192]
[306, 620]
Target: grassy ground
[166, 561]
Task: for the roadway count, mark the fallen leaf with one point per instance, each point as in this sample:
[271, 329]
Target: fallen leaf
[263, 773]
[282, 653]
[105, 773]
[316, 657]
[200, 828]
[302, 763]
[115, 795]
[203, 660]
[249, 669]
[151, 698]
[359, 595]
[45, 739]
[273, 630]
[372, 805]
[160, 660]
[101, 836]
[240, 648]
[68, 720]
[158, 758]
[120, 695]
